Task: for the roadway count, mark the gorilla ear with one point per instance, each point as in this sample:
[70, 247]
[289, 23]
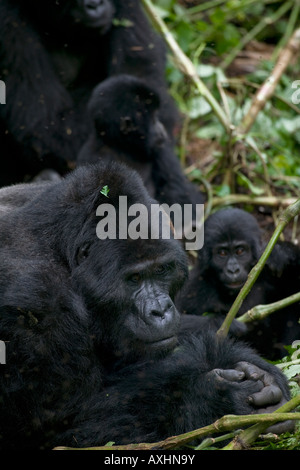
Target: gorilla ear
[82, 252]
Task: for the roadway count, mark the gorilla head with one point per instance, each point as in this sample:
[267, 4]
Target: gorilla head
[134, 278]
[232, 247]
[125, 111]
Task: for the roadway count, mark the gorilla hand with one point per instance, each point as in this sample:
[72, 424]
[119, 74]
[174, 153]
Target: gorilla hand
[259, 388]
[269, 398]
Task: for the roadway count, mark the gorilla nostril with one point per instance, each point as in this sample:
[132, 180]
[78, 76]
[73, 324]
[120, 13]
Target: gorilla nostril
[158, 313]
[233, 270]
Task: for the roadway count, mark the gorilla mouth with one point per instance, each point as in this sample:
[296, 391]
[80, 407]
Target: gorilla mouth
[235, 285]
[165, 343]
[97, 23]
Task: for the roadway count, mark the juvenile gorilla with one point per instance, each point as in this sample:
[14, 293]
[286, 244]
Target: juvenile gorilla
[232, 246]
[134, 134]
[91, 328]
[51, 58]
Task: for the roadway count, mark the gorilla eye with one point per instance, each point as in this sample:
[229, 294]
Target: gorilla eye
[222, 252]
[135, 278]
[159, 270]
[82, 253]
[240, 251]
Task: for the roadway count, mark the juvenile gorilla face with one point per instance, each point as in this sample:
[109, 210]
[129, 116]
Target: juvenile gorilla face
[232, 262]
[232, 247]
[94, 13]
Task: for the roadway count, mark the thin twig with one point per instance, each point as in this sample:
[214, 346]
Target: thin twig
[254, 32]
[291, 25]
[267, 89]
[185, 64]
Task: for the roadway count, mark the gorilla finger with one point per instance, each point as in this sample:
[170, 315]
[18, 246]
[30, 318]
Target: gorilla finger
[269, 395]
[281, 427]
[230, 375]
[254, 372]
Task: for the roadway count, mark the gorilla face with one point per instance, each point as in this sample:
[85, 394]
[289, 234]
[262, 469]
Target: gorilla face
[232, 260]
[129, 292]
[231, 248]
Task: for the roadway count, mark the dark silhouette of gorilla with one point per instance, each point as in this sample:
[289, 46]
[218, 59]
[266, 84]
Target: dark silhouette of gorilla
[91, 330]
[232, 246]
[51, 58]
[134, 134]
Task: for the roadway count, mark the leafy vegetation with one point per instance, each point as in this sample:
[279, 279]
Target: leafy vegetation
[234, 46]
[237, 48]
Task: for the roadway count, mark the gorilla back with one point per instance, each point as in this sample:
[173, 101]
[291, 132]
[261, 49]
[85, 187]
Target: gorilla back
[90, 328]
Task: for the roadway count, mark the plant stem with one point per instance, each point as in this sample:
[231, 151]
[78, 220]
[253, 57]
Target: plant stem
[287, 215]
[268, 88]
[262, 311]
[255, 31]
[224, 424]
[185, 64]
[248, 199]
[249, 435]
[289, 29]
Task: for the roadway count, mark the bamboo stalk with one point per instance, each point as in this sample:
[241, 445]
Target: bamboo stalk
[249, 435]
[262, 311]
[224, 424]
[258, 200]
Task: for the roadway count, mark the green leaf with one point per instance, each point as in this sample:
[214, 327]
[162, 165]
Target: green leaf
[244, 181]
[222, 190]
[197, 106]
[292, 371]
[105, 190]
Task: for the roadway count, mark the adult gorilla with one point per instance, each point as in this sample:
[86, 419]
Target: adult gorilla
[91, 328]
[231, 248]
[51, 58]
